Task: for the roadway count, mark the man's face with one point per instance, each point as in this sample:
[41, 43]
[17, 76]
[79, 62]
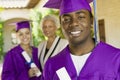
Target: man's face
[76, 26]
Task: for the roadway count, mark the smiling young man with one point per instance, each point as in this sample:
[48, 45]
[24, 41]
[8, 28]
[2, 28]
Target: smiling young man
[82, 59]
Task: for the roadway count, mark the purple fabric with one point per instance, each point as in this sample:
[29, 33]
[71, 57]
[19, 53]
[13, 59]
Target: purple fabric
[67, 6]
[102, 64]
[22, 24]
[15, 66]
[89, 1]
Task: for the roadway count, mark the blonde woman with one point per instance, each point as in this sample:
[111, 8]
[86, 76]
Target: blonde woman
[54, 44]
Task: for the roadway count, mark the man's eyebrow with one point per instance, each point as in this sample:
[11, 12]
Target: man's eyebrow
[65, 15]
[79, 12]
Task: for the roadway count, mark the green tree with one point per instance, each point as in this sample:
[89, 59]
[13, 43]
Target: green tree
[1, 40]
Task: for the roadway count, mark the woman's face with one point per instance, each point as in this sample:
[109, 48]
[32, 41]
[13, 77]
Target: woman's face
[24, 36]
[49, 28]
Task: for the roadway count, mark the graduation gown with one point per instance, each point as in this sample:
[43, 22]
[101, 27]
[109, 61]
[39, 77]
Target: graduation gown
[102, 64]
[58, 45]
[15, 66]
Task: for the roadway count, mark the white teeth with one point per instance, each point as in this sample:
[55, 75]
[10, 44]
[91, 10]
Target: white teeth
[76, 32]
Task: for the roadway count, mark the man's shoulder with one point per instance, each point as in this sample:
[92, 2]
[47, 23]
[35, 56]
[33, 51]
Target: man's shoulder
[106, 48]
[59, 57]
[109, 53]
[56, 62]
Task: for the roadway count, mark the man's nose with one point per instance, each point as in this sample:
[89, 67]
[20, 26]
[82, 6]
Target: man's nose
[74, 22]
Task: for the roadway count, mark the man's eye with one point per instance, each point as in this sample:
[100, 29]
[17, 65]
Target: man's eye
[81, 17]
[66, 20]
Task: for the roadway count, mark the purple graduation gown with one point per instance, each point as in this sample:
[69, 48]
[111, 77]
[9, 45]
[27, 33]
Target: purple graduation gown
[15, 66]
[102, 64]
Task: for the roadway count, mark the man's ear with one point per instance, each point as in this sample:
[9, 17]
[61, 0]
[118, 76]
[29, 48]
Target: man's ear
[60, 19]
[91, 19]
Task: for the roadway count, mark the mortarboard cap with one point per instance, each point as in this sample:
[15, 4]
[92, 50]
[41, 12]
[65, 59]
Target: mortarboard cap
[67, 6]
[22, 24]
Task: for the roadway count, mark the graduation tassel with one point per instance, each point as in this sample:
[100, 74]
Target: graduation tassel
[95, 21]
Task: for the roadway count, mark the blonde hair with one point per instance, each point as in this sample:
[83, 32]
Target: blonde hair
[52, 18]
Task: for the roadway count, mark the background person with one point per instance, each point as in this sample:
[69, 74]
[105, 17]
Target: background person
[54, 44]
[15, 67]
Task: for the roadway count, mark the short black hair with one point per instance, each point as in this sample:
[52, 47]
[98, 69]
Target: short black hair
[91, 15]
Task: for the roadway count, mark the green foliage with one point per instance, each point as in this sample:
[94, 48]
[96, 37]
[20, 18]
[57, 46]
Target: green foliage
[1, 40]
[38, 38]
[59, 33]
[54, 12]
[36, 32]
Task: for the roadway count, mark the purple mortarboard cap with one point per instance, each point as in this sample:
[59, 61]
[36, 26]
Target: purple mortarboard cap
[67, 6]
[22, 24]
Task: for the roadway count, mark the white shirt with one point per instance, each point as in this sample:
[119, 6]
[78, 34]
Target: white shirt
[79, 61]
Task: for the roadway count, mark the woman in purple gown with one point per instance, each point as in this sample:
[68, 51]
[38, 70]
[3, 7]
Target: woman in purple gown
[15, 66]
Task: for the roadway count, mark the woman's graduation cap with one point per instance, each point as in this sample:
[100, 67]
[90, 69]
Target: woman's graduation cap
[22, 24]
